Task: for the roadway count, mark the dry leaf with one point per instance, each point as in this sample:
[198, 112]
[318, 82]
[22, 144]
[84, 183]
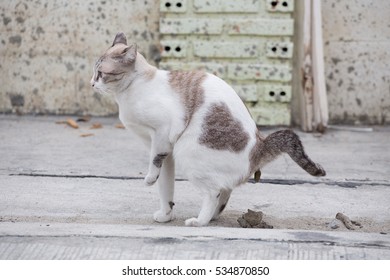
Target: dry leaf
[86, 134]
[96, 126]
[72, 123]
[119, 125]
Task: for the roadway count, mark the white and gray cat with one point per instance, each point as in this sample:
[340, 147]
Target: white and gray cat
[193, 119]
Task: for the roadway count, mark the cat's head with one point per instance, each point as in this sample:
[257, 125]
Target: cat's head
[113, 71]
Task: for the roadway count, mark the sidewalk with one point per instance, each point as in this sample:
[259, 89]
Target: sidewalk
[64, 196]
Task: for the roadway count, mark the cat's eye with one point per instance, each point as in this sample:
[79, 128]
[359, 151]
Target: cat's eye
[99, 75]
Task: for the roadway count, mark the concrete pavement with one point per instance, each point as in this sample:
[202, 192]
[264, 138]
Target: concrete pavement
[64, 196]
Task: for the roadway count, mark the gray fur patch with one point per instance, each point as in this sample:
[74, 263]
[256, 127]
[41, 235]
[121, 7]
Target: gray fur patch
[256, 153]
[158, 159]
[189, 86]
[221, 131]
[222, 208]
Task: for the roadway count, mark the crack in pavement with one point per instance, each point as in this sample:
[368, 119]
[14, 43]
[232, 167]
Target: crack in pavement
[289, 182]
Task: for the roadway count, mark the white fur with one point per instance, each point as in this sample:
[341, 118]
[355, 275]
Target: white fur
[153, 110]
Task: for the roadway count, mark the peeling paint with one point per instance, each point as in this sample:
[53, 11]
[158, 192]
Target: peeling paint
[6, 20]
[69, 66]
[335, 60]
[16, 40]
[17, 100]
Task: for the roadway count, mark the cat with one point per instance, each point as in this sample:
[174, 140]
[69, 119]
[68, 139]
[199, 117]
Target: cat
[195, 119]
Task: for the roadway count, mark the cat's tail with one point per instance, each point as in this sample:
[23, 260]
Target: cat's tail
[286, 141]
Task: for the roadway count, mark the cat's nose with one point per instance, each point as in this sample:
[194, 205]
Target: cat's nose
[92, 82]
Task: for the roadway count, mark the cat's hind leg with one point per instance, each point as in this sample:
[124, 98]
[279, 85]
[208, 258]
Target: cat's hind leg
[223, 198]
[209, 208]
[166, 184]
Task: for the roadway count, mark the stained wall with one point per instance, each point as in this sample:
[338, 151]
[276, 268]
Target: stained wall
[47, 49]
[357, 60]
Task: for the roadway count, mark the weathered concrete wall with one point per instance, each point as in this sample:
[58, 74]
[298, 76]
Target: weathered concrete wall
[47, 50]
[357, 60]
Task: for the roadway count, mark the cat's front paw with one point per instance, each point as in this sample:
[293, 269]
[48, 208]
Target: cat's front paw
[162, 217]
[193, 222]
[150, 180]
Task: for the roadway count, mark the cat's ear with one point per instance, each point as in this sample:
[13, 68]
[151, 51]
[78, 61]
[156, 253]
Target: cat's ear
[120, 38]
[130, 54]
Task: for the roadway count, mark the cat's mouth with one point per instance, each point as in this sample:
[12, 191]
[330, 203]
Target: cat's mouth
[99, 90]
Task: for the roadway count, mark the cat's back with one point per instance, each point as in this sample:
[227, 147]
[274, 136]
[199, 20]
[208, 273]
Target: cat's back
[223, 106]
[200, 91]
[217, 91]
